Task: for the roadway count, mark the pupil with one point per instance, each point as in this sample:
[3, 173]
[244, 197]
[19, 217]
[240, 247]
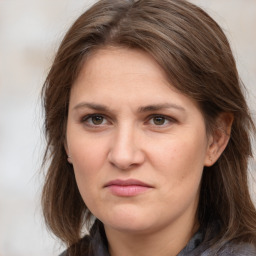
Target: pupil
[159, 120]
[97, 119]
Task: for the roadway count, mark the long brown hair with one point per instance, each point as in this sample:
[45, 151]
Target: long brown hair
[196, 56]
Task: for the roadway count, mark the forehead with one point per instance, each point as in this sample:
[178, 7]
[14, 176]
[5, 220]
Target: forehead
[128, 74]
[111, 61]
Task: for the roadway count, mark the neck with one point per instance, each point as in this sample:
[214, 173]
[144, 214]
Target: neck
[166, 241]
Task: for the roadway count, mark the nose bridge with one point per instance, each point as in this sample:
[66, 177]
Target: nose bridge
[126, 150]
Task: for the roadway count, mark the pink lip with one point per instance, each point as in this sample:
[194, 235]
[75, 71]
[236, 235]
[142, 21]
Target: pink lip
[127, 188]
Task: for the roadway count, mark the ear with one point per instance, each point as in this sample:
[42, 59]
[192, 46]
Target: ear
[219, 138]
[69, 159]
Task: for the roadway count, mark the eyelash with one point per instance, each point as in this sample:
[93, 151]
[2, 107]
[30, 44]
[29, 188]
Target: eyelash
[86, 120]
[166, 119]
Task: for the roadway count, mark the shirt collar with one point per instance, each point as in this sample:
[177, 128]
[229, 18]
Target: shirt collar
[100, 245]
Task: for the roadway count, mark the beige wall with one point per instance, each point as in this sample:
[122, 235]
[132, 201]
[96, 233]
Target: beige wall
[30, 31]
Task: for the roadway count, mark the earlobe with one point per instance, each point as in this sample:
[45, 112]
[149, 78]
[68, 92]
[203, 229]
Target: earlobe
[219, 138]
[69, 159]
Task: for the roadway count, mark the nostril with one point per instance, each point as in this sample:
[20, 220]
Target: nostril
[121, 161]
[126, 160]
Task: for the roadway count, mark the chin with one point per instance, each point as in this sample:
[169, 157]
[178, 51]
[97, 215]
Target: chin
[130, 221]
[130, 227]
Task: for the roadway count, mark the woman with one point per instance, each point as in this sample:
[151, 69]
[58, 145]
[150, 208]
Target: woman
[148, 135]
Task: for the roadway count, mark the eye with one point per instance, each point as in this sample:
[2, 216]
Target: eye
[94, 120]
[97, 120]
[160, 120]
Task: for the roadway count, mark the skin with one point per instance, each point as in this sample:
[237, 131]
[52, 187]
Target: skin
[142, 129]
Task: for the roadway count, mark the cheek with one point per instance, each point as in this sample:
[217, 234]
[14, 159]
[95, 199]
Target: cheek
[180, 162]
[176, 153]
[88, 153]
[88, 158]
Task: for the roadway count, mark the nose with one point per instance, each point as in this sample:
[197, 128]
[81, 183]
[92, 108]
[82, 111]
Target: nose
[126, 151]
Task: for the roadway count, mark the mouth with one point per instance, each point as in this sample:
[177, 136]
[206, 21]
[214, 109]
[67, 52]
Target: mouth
[127, 188]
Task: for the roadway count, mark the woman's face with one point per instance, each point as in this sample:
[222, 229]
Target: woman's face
[137, 145]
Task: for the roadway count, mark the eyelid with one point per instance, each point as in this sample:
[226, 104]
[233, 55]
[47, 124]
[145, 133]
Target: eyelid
[168, 118]
[107, 120]
[85, 119]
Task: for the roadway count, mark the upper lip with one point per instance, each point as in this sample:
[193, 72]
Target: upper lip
[129, 182]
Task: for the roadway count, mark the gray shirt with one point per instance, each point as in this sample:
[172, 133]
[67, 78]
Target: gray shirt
[96, 245]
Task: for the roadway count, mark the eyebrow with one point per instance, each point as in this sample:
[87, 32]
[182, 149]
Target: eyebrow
[148, 108]
[156, 107]
[93, 106]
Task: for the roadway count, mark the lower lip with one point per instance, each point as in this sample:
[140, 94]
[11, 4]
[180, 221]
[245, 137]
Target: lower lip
[127, 191]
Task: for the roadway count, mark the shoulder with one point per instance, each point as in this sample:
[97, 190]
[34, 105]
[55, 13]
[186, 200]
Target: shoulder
[93, 244]
[232, 249]
[65, 253]
[238, 249]
[83, 247]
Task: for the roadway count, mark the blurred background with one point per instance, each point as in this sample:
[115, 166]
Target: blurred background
[30, 32]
